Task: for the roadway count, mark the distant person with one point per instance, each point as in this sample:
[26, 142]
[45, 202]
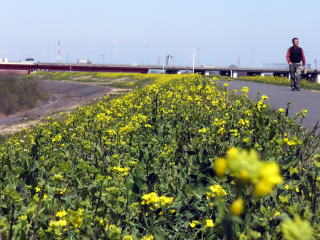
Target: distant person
[294, 57]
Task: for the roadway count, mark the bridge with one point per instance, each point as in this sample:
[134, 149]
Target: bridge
[233, 72]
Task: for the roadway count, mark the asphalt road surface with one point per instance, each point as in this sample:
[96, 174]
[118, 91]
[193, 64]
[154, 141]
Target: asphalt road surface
[279, 96]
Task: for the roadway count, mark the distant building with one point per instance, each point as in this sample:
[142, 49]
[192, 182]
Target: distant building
[4, 60]
[84, 61]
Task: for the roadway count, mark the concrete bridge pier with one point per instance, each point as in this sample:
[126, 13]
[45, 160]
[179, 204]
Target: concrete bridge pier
[313, 77]
[238, 73]
[234, 74]
[316, 77]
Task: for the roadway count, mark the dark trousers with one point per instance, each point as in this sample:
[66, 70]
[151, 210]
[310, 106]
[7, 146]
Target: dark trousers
[295, 70]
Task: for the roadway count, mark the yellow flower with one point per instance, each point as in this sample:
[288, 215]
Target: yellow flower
[101, 117]
[277, 213]
[57, 138]
[297, 229]
[247, 167]
[220, 166]
[281, 110]
[245, 90]
[216, 190]
[244, 122]
[149, 198]
[154, 201]
[243, 164]
[243, 237]
[244, 175]
[148, 237]
[62, 223]
[304, 112]
[38, 189]
[291, 142]
[61, 213]
[59, 223]
[261, 105]
[101, 221]
[62, 191]
[58, 177]
[194, 223]
[203, 130]
[172, 211]
[209, 223]
[284, 199]
[23, 217]
[165, 200]
[127, 237]
[236, 207]
[269, 177]
[287, 186]
[264, 97]
[124, 171]
[235, 132]
[45, 196]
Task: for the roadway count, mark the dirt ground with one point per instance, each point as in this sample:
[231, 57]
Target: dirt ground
[64, 96]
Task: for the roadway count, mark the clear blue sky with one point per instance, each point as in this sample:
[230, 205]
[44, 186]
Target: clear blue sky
[138, 31]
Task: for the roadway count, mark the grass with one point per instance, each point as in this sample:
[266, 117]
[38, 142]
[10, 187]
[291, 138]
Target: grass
[17, 94]
[115, 80]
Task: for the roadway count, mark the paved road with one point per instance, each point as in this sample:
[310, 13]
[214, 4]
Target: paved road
[279, 96]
